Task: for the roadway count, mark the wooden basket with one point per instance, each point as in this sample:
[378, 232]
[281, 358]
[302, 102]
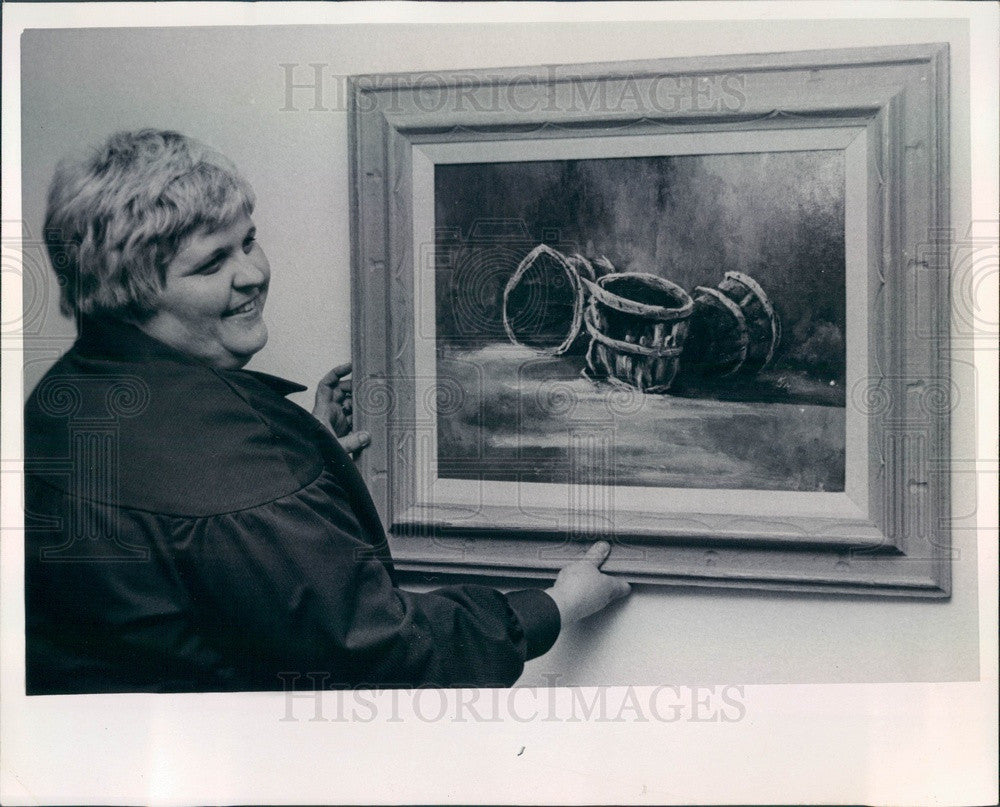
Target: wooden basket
[718, 337]
[638, 324]
[734, 329]
[762, 323]
[544, 299]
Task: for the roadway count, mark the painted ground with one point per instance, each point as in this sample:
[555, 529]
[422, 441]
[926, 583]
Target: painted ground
[505, 413]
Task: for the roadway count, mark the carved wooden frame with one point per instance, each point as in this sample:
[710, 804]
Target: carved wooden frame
[890, 535]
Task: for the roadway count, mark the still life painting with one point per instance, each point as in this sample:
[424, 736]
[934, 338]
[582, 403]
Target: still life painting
[690, 307]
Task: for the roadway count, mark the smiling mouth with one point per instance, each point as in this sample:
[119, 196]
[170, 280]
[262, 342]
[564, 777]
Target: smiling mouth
[247, 307]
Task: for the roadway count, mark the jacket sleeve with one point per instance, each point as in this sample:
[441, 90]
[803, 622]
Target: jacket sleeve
[289, 586]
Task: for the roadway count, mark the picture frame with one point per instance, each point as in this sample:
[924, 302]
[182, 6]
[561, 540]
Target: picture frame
[885, 532]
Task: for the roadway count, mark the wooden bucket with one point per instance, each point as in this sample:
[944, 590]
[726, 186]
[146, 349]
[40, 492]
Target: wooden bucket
[734, 329]
[638, 324]
[543, 302]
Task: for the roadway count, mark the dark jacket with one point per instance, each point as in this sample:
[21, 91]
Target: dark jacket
[189, 529]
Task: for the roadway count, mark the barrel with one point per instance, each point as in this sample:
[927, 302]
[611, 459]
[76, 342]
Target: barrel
[638, 324]
[543, 302]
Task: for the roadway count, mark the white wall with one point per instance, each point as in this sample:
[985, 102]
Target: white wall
[225, 86]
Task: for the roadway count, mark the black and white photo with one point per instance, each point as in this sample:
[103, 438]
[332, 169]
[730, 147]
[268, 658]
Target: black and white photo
[556, 403]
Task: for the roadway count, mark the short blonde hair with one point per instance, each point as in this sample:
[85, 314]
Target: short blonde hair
[116, 220]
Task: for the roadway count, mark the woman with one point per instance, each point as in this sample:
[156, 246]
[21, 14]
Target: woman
[188, 529]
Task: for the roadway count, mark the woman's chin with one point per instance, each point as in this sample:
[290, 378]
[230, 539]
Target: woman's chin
[249, 340]
[260, 337]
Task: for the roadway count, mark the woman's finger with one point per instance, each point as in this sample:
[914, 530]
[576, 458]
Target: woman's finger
[335, 374]
[598, 553]
[355, 441]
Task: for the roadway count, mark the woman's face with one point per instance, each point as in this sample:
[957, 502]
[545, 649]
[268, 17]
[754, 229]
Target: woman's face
[213, 298]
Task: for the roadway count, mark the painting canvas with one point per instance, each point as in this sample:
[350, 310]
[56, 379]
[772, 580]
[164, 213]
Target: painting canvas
[522, 253]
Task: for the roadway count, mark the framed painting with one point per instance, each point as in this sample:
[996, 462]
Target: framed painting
[696, 307]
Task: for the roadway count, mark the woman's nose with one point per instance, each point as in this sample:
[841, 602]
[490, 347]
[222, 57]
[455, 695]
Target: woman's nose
[252, 270]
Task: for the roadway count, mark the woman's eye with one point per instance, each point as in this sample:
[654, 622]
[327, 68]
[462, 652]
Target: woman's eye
[248, 244]
[210, 268]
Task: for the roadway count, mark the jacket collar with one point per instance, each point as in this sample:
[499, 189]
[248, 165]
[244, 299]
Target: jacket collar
[108, 338]
[280, 385]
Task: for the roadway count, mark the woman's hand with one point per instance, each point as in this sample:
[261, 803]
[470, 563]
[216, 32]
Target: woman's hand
[334, 409]
[581, 589]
